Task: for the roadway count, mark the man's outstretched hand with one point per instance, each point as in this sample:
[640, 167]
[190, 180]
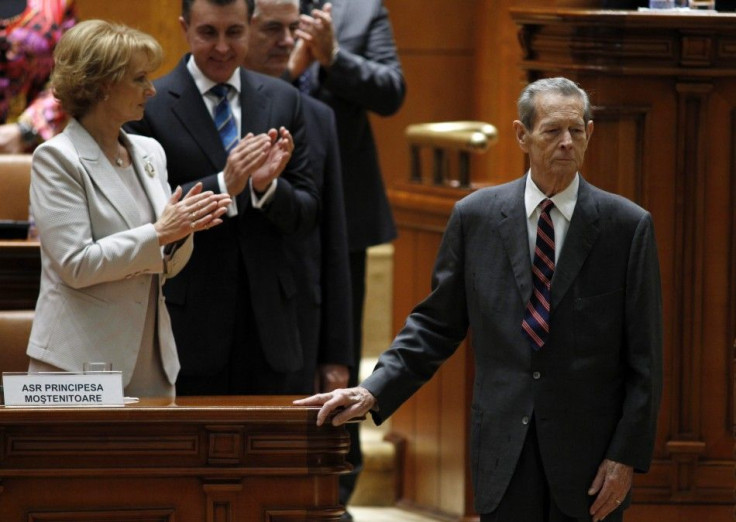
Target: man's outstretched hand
[341, 405]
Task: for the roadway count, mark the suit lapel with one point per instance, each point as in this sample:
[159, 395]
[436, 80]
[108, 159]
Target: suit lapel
[102, 173]
[255, 104]
[189, 108]
[147, 175]
[515, 239]
[580, 238]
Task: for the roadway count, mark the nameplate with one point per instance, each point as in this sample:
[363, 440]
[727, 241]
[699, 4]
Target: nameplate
[50, 389]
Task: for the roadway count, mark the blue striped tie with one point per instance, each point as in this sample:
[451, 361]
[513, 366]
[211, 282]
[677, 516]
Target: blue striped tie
[305, 83]
[536, 317]
[224, 120]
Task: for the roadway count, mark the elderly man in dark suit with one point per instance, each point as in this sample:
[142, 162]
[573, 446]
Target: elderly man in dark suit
[559, 283]
[320, 258]
[233, 309]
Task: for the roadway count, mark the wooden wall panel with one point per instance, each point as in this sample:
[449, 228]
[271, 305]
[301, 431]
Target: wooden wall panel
[430, 98]
[436, 44]
[436, 418]
[498, 80]
[159, 18]
[621, 132]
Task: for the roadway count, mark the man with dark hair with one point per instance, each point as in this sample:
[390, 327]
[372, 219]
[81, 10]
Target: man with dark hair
[233, 308]
[559, 283]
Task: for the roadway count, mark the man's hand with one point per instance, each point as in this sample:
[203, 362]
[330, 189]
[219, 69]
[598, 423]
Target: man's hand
[344, 404]
[330, 377]
[317, 33]
[612, 483]
[279, 153]
[249, 154]
[299, 60]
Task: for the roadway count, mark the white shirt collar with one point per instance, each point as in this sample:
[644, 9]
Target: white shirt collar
[204, 84]
[564, 201]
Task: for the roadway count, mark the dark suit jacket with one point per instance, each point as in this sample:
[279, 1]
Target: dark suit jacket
[599, 384]
[366, 76]
[320, 259]
[202, 300]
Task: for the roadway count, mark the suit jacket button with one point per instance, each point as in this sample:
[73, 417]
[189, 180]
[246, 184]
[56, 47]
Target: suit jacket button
[525, 420]
[536, 375]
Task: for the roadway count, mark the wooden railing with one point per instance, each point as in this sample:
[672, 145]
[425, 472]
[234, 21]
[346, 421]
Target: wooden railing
[459, 137]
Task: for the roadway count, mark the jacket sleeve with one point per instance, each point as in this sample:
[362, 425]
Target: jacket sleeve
[61, 208]
[432, 332]
[371, 77]
[633, 439]
[295, 208]
[336, 333]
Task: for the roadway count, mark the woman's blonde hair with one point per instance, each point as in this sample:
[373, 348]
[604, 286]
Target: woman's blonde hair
[92, 55]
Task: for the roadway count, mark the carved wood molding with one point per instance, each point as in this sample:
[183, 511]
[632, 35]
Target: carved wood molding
[215, 459]
[623, 126]
[690, 178]
[296, 515]
[124, 514]
[732, 277]
[631, 43]
[220, 500]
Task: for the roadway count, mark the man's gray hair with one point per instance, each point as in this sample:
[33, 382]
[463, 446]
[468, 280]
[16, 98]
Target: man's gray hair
[295, 3]
[527, 100]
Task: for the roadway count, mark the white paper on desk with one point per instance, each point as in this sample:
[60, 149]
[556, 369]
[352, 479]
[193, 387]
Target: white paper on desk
[63, 389]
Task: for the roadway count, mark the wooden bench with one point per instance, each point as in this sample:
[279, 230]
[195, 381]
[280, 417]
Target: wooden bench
[15, 180]
[15, 329]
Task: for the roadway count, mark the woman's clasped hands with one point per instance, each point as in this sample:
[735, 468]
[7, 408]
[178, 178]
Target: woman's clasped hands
[195, 211]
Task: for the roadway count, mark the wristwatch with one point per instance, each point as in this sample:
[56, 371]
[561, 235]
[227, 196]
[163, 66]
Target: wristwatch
[28, 135]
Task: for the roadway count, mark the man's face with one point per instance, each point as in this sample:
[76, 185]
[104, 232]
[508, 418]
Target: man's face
[217, 37]
[271, 37]
[556, 145]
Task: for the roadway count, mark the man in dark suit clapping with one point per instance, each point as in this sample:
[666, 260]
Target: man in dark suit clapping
[233, 308]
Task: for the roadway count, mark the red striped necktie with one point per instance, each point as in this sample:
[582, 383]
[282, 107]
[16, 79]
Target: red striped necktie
[536, 317]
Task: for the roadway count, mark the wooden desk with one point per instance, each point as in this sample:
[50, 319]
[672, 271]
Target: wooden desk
[20, 274]
[213, 459]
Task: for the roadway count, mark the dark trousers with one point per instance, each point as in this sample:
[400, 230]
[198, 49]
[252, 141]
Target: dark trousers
[247, 371]
[528, 497]
[354, 456]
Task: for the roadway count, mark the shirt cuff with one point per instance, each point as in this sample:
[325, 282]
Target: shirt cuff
[260, 201]
[232, 208]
